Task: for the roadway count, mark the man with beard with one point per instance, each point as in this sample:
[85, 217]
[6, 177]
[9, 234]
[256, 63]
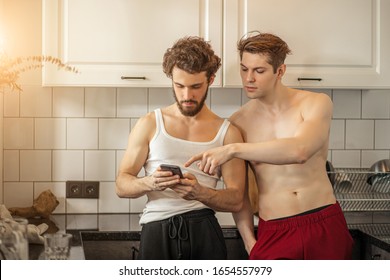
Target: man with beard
[178, 221]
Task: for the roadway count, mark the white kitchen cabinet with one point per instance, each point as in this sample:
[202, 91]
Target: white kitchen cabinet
[337, 43]
[122, 42]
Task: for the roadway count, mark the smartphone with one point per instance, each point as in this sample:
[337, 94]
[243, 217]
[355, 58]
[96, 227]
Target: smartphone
[173, 168]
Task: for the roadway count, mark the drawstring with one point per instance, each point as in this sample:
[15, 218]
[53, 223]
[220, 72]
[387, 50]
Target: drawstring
[178, 232]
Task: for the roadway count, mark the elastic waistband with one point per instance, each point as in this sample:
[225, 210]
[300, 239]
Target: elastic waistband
[302, 220]
[188, 215]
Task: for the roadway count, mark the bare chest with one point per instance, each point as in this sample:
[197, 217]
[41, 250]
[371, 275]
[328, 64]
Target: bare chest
[265, 128]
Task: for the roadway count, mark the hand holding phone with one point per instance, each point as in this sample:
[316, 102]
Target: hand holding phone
[173, 168]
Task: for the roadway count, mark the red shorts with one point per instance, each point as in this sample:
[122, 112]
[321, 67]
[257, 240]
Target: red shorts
[321, 235]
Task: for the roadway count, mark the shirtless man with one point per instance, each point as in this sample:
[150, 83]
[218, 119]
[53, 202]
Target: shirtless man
[286, 133]
[178, 221]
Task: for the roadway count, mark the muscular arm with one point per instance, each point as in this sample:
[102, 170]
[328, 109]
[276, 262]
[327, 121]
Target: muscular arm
[127, 183]
[310, 136]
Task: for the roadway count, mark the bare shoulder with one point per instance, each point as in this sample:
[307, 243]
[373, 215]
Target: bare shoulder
[315, 102]
[233, 135]
[311, 96]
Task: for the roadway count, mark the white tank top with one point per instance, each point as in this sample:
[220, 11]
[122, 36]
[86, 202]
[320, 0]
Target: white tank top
[164, 148]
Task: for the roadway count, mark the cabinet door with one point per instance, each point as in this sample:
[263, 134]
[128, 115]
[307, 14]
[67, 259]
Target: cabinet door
[122, 42]
[337, 43]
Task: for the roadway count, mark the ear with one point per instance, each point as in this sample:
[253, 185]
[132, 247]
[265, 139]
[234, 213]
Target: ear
[211, 80]
[281, 70]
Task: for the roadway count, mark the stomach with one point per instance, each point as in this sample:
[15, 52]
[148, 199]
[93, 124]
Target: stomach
[286, 190]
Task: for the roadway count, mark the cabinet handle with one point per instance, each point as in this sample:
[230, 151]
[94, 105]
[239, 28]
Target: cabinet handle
[309, 79]
[132, 78]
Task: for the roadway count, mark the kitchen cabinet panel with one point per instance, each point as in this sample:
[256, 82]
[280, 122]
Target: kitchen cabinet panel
[122, 42]
[339, 44]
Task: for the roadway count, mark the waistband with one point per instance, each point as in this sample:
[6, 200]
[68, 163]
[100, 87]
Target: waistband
[301, 220]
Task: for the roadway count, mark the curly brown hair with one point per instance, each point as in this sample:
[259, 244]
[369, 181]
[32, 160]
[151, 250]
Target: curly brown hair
[265, 43]
[193, 55]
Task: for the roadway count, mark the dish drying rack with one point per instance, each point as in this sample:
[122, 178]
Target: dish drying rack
[355, 194]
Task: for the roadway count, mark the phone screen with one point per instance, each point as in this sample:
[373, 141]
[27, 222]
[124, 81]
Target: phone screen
[173, 168]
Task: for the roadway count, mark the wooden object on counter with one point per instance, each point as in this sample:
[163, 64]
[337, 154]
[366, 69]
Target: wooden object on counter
[43, 206]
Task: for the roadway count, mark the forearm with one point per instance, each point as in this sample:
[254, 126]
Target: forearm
[244, 223]
[129, 186]
[224, 200]
[278, 151]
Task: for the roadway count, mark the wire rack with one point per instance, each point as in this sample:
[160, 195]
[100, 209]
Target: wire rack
[354, 193]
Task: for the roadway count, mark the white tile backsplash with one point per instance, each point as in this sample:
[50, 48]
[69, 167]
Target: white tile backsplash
[11, 165]
[18, 194]
[82, 133]
[100, 102]
[68, 165]
[224, 102]
[18, 133]
[36, 101]
[132, 102]
[376, 104]
[113, 133]
[346, 104]
[382, 134]
[52, 135]
[68, 102]
[359, 134]
[100, 166]
[35, 165]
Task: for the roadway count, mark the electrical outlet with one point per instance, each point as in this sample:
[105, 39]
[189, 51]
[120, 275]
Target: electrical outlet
[82, 189]
[91, 189]
[74, 189]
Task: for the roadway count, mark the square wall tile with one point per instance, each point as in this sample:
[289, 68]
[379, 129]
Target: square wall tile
[160, 98]
[68, 102]
[132, 102]
[100, 102]
[82, 133]
[81, 205]
[113, 133]
[337, 134]
[36, 101]
[113, 222]
[224, 102]
[346, 104]
[18, 133]
[359, 134]
[109, 202]
[82, 221]
[137, 205]
[18, 194]
[35, 165]
[346, 159]
[100, 166]
[11, 165]
[68, 165]
[382, 134]
[370, 157]
[50, 133]
[376, 104]
[57, 188]
[11, 104]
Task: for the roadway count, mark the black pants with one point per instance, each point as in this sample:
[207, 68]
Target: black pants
[194, 235]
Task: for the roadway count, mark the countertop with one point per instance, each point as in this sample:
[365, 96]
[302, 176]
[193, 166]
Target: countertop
[121, 226]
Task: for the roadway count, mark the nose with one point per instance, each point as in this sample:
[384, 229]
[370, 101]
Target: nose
[250, 77]
[187, 93]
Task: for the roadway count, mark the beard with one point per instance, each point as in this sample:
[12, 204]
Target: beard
[191, 112]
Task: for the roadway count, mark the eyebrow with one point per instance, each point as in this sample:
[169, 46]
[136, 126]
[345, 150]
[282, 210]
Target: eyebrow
[196, 84]
[256, 68]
